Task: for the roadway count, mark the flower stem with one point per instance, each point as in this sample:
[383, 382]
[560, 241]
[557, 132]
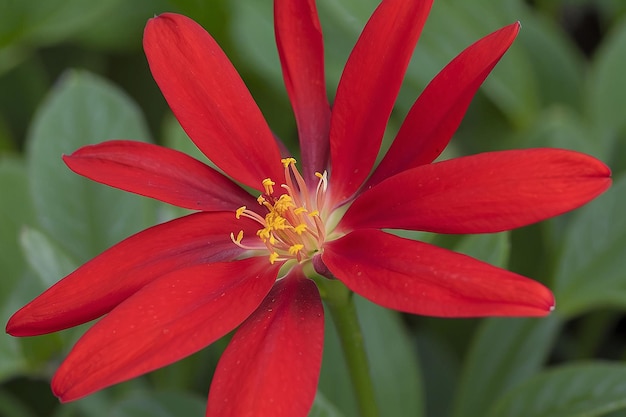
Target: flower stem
[340, 303]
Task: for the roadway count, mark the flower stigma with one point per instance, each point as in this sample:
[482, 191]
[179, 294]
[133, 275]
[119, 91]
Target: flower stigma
[293, 228]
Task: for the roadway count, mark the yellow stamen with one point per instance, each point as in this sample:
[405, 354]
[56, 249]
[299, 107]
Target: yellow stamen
[273, 257]
[299, 229]
[294, 249]
[292, 226]
[268, 184]
[283, 204]
[288, 161]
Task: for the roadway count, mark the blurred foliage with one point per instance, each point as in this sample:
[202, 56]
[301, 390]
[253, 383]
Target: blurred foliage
[73, 72]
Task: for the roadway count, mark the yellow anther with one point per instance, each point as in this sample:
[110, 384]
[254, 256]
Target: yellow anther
[261, 200]
[288, 161]
[273, 257]
[264, 233]
[314, 213]
[283, 204]
[240, 211]
[299, 211]
[239, 236]
[274, 221]
[323, 184]
[294, 249]
[268, 184]
[299, 229]
[279, 223]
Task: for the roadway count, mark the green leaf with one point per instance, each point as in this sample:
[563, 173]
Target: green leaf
[493, 248]
[556, 62]
[45, 257]
[175, 137]
[440, 366]
[579, 390]
[48, 21]
[82, 216]
[161, 404]
[323, 408]
[504, 353]
[451, 27]
[606, 92]
[125, 35]
[16, 211]
[560, 127]
[591, 271]
[393, 366]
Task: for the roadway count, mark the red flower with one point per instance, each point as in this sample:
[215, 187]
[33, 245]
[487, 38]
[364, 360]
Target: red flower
[241, 261]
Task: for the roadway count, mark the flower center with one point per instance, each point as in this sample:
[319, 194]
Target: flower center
[293, 227]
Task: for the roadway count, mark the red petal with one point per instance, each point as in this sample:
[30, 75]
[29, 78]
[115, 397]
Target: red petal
[484, 193]
[210, 100]
[438, 111]
[419, 278]
[271, 366]
[168, 319]
[161, 173]
[105, 281]
[301, 51]
[368, 88]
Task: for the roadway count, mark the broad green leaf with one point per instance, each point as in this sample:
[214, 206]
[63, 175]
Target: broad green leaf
[159, 404]
[560, 127]
[576, 390]
[451, 27]
[45, 257]
[323, 408]
[393, 366]
[212, 14]
[16, 211]
[47, 21]
[558, 66]
[252, 31]
[440, 366]
[82, 216]
[605, 91]
[18, 284]
[493, 248]
[252, 34]
[12, 362]
[130, 399]
[504, 353]
[121, 28]
[175, 137]
[20, 356]
[591, 271]
[97, 404]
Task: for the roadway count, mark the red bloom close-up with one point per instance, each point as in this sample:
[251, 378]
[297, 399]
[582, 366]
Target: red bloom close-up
[251, 262]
